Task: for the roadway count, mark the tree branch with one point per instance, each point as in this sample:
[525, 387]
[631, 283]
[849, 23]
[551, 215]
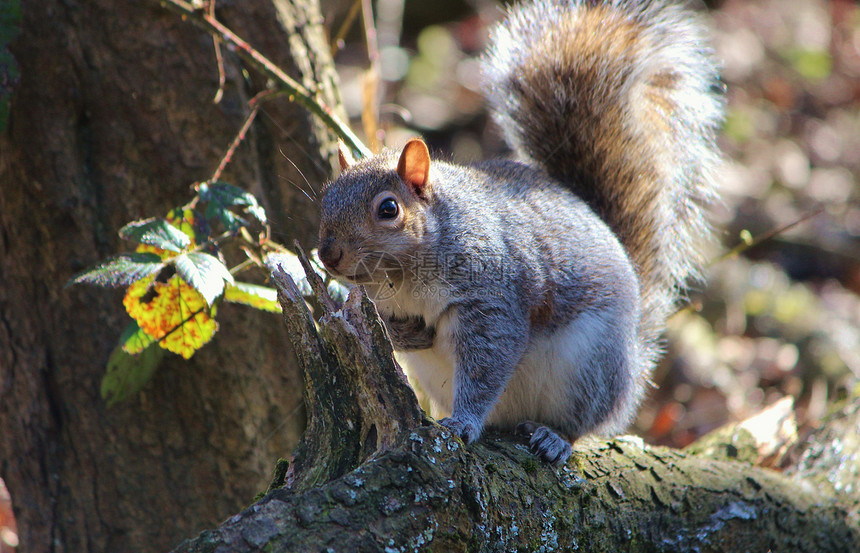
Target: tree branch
[372, 473]
[203, 20]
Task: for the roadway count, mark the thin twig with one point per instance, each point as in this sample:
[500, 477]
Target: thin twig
[694, 306]
[370, 79]
[240, 136]
[746, 245]
[297, 92]
[345, 26]
[219, 59]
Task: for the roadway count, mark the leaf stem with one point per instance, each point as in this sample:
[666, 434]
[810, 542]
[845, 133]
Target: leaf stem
[242, 266]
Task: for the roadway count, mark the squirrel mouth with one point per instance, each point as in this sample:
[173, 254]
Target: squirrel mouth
[360, 278]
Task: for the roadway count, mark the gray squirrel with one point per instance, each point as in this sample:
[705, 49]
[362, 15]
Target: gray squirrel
[532, 294]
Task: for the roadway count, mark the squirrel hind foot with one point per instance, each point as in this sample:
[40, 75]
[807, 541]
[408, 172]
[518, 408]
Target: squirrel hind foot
[545, 443]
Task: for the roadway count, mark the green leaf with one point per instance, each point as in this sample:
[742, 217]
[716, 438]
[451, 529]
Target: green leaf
[221, 196]
[258, 297]
[229, 219]
[120, 270]
[156, 232]
[127, 374]
[205, 273]
[134, 340]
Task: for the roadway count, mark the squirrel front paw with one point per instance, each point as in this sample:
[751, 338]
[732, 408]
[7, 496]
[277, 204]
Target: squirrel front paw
[468, 431]
[545, 443]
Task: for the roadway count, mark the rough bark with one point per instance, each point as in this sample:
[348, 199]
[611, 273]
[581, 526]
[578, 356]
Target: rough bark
[112, 121]
[371, 409]
[416, 488]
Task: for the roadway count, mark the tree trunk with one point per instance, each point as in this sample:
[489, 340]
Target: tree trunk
[111, 121]
[372, 474]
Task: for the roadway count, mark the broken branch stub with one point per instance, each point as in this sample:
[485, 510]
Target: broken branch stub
[356, 396]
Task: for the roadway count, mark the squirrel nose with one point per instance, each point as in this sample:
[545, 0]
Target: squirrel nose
[330, 254]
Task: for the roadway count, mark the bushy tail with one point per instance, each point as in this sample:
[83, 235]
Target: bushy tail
[621, 101]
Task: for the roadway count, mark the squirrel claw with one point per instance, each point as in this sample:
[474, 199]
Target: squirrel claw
[526, 428]
[546, 444]
[468, 432]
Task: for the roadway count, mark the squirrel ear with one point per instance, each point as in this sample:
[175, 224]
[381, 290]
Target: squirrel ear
[344, 156]
[414, 166]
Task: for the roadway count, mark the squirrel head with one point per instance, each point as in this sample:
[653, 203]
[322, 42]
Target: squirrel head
[376, 216]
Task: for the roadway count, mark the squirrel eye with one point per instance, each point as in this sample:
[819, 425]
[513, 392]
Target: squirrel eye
[387, 209]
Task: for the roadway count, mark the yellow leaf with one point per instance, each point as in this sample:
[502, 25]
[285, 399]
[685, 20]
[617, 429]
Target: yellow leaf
[171, 312]
[258, 297]
[184, 221]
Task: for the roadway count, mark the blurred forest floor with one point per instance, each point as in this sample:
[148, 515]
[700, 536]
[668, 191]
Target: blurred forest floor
[781, 319]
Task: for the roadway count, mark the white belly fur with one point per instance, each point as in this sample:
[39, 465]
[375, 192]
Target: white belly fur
[433, 369]
[543, 382]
